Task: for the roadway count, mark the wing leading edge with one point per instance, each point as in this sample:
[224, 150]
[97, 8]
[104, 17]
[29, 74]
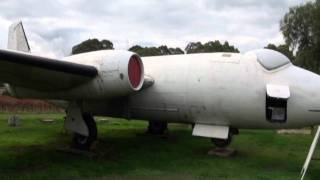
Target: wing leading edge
[44, 74]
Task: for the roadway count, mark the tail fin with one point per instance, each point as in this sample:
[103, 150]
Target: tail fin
[17, 39]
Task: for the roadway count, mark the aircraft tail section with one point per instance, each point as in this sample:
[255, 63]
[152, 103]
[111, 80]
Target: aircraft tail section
[17, 39]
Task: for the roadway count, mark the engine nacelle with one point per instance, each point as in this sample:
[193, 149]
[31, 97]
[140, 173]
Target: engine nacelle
[119, 74]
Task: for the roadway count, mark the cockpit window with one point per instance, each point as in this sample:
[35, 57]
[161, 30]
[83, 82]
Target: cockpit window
[271, 59]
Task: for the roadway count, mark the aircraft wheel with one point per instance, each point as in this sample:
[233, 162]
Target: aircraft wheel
[157, 127]
[221, 143]
[82, 142]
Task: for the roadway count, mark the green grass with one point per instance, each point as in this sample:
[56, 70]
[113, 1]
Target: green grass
[30, 152]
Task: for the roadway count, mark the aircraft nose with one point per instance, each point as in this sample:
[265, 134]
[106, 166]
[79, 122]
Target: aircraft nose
[303, 105]
[305, 100]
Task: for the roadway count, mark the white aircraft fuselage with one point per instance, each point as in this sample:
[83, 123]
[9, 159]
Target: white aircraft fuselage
[225, 89]
[218, 93]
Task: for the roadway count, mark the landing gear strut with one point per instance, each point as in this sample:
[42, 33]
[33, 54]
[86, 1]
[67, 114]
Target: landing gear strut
[157, 127]
[222, 143]
[82, 142]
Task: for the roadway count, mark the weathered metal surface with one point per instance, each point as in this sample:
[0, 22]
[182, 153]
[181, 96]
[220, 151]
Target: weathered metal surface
[218, 89]
[207, 90]
[112, 79]
[17, 39]
[220, 132]
[278, 91]
[74, 121]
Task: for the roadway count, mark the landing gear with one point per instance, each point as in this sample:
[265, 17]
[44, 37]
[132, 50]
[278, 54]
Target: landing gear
[222, 143]
[82, 142]
[157, 127]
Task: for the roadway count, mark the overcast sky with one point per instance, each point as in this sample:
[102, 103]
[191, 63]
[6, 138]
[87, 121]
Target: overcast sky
[54, 26]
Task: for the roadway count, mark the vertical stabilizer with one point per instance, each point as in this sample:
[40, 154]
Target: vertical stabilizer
[17, 39]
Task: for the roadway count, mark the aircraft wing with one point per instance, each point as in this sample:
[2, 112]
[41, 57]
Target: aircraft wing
[44, 74]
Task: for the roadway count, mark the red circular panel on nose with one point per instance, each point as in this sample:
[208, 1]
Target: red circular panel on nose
[134, 71]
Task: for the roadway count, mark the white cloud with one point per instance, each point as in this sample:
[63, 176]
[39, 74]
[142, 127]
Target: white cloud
[54, 27]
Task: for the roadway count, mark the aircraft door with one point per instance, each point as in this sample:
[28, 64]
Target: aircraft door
[276, 103]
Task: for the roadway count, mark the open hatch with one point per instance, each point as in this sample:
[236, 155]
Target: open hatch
[276, 103]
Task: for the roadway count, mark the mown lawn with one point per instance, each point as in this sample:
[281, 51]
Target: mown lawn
[30, 152]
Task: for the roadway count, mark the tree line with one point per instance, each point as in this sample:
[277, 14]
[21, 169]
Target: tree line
[192, 47]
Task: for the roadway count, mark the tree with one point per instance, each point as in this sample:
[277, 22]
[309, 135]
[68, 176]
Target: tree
[137, 49]
[164, 50]
[283, 48]
[296, 26]
[176, 51]
[194, 47]
[92, 45]
[211, 46]
[301, 30]
[155, 51]
[227, 48]
[145, 51]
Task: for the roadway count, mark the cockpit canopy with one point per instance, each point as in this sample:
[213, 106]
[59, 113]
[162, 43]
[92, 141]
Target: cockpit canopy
[271, 59]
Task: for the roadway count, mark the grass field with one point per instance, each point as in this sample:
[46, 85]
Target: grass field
[30, 152]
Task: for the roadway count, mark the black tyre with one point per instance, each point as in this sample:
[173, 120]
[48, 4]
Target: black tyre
[157, 127]
[221, 143]
[82, 142]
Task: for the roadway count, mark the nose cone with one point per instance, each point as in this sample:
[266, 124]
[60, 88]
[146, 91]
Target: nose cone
[303, 106]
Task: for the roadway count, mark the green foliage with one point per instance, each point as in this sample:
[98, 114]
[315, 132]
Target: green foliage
[283, 48]
[193, 47]
[92, 45]
[309, 59]
[211, 46]
[301, 30]
[155, 51]
[176, 51]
